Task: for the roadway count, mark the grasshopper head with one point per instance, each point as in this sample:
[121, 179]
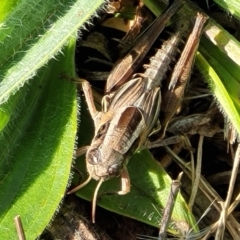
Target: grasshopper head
[104, 162]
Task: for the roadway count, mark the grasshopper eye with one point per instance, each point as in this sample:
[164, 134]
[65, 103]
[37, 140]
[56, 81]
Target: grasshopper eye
[114, 170]
[94, 157]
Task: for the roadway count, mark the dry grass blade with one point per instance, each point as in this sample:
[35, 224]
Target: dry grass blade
[221, 224]
[169, 208]
[197, 173]
[225, 205]
[19, 228]
[191, 234]
[232, 225]
[234, 204]
[187, 141]
[233, 176]
[164, 142]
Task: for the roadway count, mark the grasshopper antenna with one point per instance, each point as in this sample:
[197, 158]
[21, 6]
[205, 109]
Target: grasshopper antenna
[81, 185]
[94, 202]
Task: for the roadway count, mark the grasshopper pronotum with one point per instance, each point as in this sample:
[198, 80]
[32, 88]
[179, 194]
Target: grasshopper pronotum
[131, 105]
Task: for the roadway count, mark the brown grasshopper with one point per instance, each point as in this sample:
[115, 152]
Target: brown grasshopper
[130, 108]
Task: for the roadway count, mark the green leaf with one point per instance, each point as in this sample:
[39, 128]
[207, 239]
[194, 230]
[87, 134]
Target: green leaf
[6, 6]
[150, 187]
[34, 32]
[225, 89]
[36, 147]
[232, 6]
[4, 118]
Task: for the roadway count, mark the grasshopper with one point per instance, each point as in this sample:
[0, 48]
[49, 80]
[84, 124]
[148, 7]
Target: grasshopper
[131, 106]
